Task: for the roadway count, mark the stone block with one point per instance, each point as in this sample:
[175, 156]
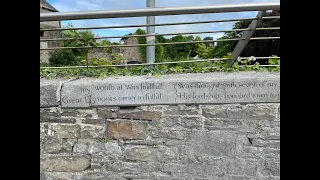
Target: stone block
[126, 130]
[64, 163]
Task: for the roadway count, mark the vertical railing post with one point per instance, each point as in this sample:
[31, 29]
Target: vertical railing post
[246, 35]
[150, 30]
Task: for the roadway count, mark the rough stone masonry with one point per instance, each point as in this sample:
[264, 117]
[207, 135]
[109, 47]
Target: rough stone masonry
[214, 126]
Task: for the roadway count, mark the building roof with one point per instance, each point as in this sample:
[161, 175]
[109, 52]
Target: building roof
[45, 5]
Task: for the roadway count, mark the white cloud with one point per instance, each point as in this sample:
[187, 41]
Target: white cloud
[86, 5]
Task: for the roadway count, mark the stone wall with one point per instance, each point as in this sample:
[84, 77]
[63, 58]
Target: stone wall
[46, 54]
[127, 53]
[199, 141]
[51, 34]
[98, 53]
[131, 53]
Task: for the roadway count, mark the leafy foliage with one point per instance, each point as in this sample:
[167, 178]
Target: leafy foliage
[159, 50]
[261, 48]
[99, 62]
[65, 57]
[142, 40]
[274, 61]
[208, 43]
[156, 71]
[180, 50]
[167, 53]
[205, 52]
[115, 59]
[123, 39]
[105, 42]
[80, 38]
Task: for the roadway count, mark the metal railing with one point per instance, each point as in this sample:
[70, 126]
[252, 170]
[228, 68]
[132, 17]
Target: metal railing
[242, 42]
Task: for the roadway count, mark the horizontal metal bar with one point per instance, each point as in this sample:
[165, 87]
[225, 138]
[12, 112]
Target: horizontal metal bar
[159, 24]
[138, 45]
[143, 64]
[264, 38]
[270, 17]
[244, 66]
[260, 57]
[270, 28]
[240, 66]
[275, 65]
[58, 16]
[145, 35]
[157, 44]
[166, 34]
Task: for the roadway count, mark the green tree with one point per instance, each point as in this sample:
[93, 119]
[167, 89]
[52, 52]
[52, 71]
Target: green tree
[64, 57]
[180, 51]
[123, 39]
[202, 50]
[142, 40]
[208, 43]
[205, 52]
[224, 47]
[159, 50]
[161, 39]
[105, 42]
[257, 47]
[80, 38]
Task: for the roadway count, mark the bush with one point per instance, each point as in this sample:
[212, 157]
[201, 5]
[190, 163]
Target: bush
[98, 62]
[64, 57]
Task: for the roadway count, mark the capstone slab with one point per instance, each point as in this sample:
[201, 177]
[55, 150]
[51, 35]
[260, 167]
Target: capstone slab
[48, 93]
[209, 88]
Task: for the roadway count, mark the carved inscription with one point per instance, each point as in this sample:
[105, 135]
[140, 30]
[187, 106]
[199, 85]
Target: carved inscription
[75, 95]
[135, 93]
[104, 93]
[230, 91]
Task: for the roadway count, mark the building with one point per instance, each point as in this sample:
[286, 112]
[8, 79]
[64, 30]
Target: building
[45, 7]
[131, 54]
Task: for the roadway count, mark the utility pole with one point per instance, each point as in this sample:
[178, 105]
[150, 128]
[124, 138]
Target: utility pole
[150, 30]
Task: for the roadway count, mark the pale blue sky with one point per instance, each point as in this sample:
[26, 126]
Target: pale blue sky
[85, 5]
